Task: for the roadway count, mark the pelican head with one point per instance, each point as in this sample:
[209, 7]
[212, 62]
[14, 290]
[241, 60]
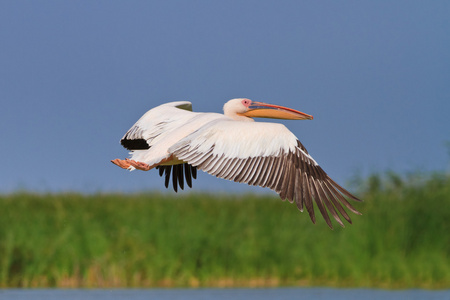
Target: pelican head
[246, 109]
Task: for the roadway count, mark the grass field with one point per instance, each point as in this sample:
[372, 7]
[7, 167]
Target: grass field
[402, 240]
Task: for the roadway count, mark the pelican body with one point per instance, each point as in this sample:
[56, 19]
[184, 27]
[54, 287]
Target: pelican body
[178, 141]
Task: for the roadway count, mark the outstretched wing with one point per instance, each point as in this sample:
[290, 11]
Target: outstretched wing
[153, 123]
[143, 134]
[267, 155]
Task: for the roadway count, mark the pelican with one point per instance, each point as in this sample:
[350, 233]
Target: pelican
[171, 137]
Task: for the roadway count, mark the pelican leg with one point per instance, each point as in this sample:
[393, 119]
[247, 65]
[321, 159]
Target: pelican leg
[123, 163]
[139, 165]
[127, 163]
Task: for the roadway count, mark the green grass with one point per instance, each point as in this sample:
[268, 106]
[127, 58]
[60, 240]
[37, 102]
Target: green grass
[402, 240]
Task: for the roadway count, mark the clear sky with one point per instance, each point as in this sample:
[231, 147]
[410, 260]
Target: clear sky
[76, 75]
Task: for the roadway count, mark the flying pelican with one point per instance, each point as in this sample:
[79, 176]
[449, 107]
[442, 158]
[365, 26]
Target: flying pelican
[232, 146]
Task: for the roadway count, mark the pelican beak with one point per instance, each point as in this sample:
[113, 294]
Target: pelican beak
[264, 110]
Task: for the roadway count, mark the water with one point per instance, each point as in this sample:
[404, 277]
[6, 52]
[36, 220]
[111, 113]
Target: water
[221, 294]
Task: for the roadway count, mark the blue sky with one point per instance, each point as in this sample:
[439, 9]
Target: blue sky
[76, 75]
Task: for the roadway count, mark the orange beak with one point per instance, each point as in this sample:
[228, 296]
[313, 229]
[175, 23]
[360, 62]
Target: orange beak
[264, 110]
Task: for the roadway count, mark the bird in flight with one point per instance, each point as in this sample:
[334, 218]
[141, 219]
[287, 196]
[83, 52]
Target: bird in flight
[175, 140]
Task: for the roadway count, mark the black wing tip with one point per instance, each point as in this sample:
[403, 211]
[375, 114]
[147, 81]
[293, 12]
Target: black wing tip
[188, 174]
[178, 175]
[134, 144]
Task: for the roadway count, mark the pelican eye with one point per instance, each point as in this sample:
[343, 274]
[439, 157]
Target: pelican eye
[246, 102]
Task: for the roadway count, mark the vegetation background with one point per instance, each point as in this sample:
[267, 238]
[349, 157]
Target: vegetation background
[402, 240]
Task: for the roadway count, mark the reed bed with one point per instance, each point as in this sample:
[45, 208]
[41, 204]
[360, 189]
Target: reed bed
[402, 240]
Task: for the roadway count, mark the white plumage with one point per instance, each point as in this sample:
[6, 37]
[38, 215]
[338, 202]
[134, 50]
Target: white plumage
[234, 147]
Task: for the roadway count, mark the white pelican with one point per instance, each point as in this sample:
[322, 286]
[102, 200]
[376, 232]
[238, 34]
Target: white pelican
[234, 147]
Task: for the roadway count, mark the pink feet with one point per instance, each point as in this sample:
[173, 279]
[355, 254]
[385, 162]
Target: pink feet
[121, 163]
[126, 163]
[139, 165]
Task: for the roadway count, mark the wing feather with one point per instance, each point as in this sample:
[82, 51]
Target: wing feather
[328, 203]
[276, 173]
[308, 198]
[319, 201]
[254, 170]
[261, 171]
[219, 164]
[291, 184]
[188, 174]
[194, 172]
[336, 202]
[180, 175]
[167, 179]
[236, 170]
[166, 171]
[268, 155]
[282, 183]
[245, 169]
[153, 123]
[270, 163]
[229, 167]
[298, 191]
[175, 178]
